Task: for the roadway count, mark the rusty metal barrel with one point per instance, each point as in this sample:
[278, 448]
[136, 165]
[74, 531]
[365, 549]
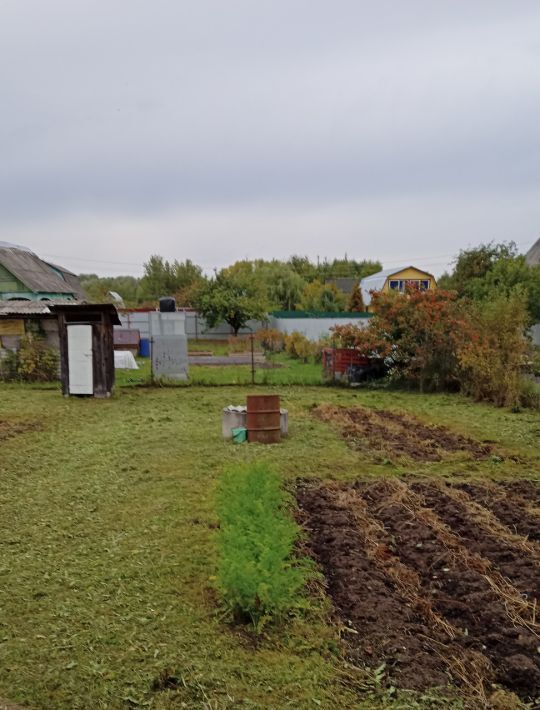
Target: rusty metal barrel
[263, 418]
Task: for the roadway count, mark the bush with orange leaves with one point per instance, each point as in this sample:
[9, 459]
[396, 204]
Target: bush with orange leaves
[433, 341]
[417, 334]
[494, 352]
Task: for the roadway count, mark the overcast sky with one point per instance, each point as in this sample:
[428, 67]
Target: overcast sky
[224, 129]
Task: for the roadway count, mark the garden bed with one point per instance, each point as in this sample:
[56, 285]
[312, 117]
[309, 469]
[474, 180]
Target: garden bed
[428, 582]
[389, 433]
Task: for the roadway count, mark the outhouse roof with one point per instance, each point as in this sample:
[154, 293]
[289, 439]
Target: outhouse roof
[85, 308]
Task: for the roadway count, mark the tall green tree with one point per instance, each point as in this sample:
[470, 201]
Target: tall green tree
[492, 270]
[284, 286]
[472, 265]
[164, 278]
[233, 298]
[97, 288]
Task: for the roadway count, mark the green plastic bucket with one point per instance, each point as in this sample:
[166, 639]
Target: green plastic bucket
[239, 435]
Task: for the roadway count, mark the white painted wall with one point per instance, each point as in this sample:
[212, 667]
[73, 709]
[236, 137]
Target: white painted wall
[314, 328]
[195, 326]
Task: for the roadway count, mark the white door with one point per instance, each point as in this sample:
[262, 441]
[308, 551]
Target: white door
[81, 376]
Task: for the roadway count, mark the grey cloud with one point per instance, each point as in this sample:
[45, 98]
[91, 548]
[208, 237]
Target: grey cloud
[143, 109]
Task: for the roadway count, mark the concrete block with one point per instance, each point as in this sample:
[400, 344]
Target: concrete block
[170, 356]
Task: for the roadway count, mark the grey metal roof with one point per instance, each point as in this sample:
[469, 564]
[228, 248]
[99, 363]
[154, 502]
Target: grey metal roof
[34, 273]
[532, 257]
[9, 245]
[9, 309]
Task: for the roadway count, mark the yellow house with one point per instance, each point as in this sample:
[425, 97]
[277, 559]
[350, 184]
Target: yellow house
[397, 279]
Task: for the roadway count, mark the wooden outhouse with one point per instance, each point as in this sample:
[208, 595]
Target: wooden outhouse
[86, 347]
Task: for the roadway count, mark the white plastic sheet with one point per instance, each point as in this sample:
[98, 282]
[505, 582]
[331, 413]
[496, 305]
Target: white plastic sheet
[124, 360]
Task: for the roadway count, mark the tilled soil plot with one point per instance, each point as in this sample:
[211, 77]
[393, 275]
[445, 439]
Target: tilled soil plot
[429, 582]
[388, 433]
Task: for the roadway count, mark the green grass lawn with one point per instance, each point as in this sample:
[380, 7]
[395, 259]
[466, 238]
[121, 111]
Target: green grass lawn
[286, 371]
[107, 546]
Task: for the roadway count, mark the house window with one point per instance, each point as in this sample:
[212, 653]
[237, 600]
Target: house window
[401, 285]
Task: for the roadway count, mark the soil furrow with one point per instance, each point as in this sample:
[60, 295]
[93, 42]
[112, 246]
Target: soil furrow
[505, 550]
[509, 508]
[528, 491]
[380, 624]
[459, 591]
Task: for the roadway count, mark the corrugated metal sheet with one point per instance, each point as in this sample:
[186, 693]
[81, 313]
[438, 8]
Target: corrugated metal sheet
[34, 273]
[29, 308]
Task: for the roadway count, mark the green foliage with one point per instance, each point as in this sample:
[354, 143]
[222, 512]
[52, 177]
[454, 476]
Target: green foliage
[493, 351]
[324, 297]
[34, 361]
[8, 366]
[97, 288]
[493, 270]
[337, 268]
[433, 341]
[298, 346]
[282, 282]
[258, 576]
[232, 297]
[284, 286]
[164, 278]
[472, 265]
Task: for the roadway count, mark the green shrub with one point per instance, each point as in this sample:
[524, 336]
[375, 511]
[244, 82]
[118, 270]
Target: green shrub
[258, 576]
[494, 350]
[34, 361]
[8, 366]
[318, 346]
[529, 395]
[298, 346]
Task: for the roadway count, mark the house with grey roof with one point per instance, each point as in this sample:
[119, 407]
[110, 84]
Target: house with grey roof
[397, 279]
[24, 276]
